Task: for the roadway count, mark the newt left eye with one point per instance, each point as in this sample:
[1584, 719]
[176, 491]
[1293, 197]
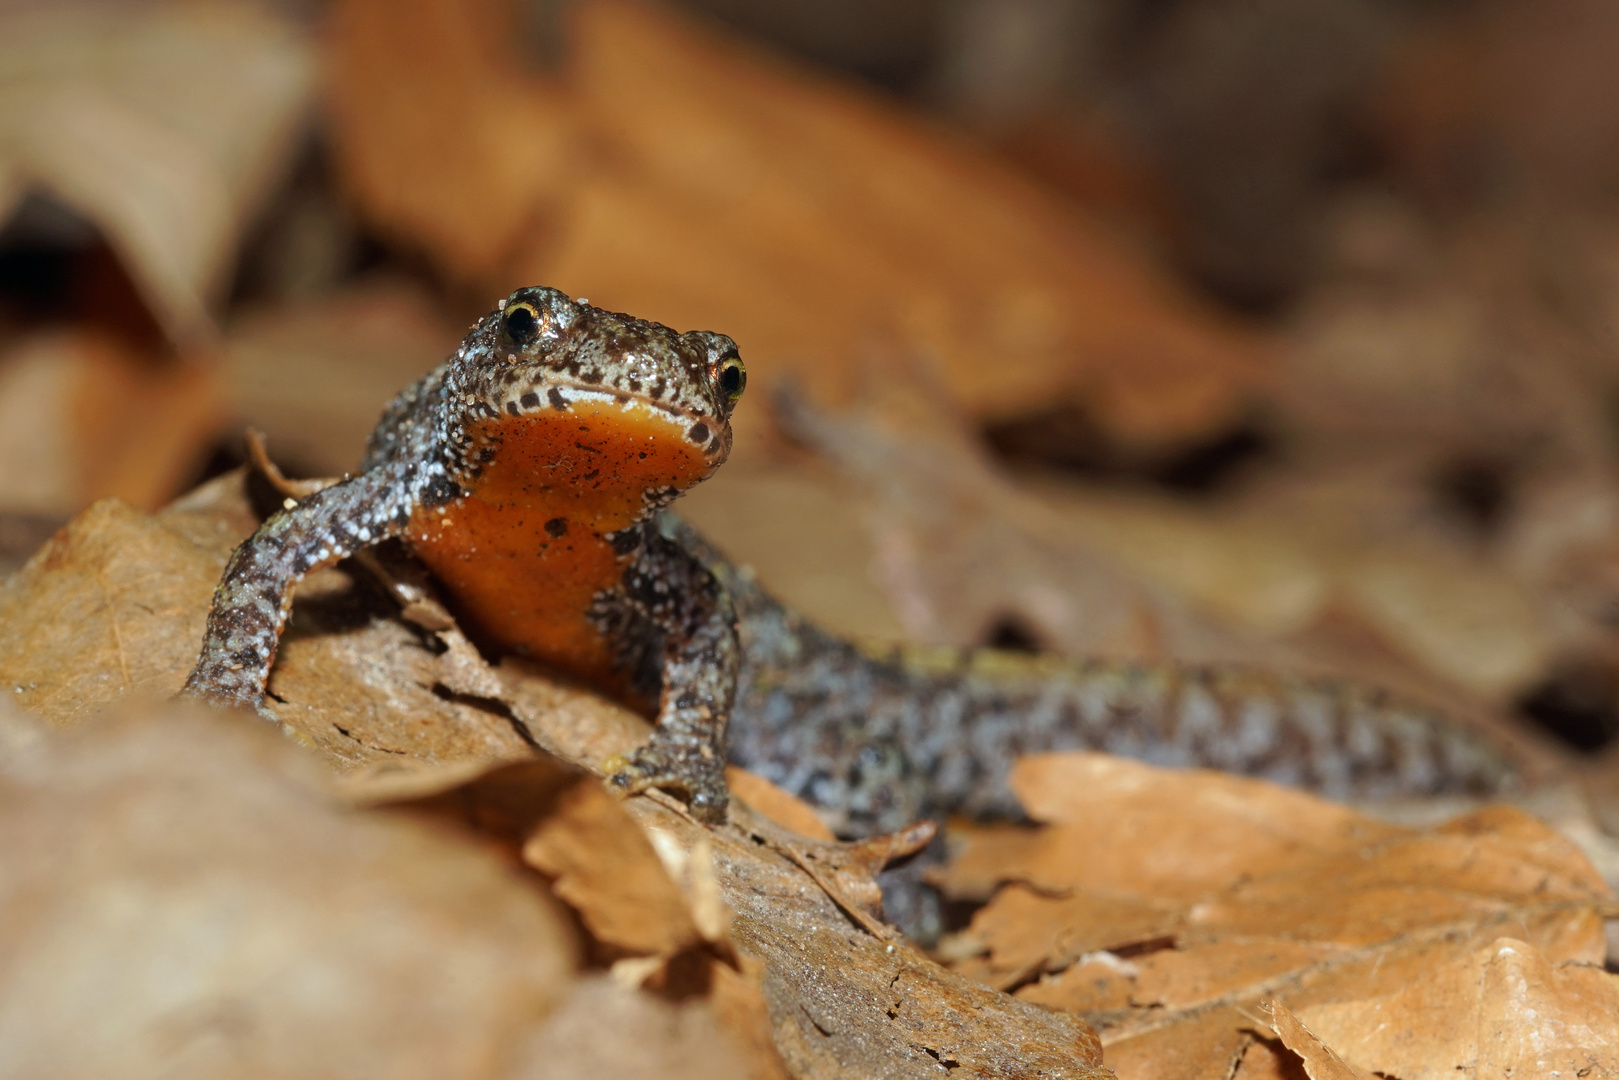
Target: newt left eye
[521, 322]
[732, 377]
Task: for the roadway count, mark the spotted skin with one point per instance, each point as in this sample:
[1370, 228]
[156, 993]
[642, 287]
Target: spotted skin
[530, 477]
[527, 472]
[880, 738]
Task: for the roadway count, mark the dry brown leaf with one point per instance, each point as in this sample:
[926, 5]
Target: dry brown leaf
[109, 607]
[785, 810]
[1221, 892]
[739, 1004]
[802, 528]
[115, 604]
[1504, 1010]
[844, 1002]
[1178, 836]
[961, 547]
[1465, 621]
[165, 125]
[654, 901]
[820, 232]
[1203, 971]
[1203, 1046]
[824, 228]
[315, 376]
[1435, 355]
[1029, 932]
[958, 547]
[1320, 1061]
[1099, 983]
[179, 897]
[83, 416]
[606, 1030]
[447, 142]
[775, 894]
[605, 868]
[358, 685]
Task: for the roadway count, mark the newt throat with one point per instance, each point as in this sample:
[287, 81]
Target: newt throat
[538, 533]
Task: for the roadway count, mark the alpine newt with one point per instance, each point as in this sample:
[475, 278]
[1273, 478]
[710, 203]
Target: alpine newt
[530, 473]
[527, 473]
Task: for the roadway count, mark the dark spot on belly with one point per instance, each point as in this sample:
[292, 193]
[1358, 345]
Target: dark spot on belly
[531, 400]
[511, 407]
[558, 402]
[557, 527]
[698, 433]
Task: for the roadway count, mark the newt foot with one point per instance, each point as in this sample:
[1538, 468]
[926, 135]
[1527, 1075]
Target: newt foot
[701, 779]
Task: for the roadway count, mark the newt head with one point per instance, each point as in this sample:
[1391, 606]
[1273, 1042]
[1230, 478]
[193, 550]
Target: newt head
[553, 395]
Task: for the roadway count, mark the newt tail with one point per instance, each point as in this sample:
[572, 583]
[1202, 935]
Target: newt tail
[878, 739]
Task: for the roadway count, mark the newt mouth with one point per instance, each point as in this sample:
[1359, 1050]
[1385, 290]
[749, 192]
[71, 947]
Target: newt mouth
[649, 416]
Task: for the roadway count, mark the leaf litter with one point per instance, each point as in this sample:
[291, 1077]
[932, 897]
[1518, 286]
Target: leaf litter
[718, 919]
[1166, 907]
[1201, 898]
[804, 262]
[753, 950]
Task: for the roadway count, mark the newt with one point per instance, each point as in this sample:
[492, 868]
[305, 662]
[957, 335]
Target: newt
[531, 473]
[527, 472]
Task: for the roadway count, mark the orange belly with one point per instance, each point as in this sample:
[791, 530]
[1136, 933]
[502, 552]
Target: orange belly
[526, 553]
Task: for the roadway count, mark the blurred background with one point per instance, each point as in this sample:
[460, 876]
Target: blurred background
[1275, 331]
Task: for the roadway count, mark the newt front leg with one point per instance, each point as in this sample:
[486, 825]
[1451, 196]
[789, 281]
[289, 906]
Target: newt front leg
[253, 598]
[669, 589]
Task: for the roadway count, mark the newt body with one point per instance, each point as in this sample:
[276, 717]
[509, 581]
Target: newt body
[527, 472]
[530, 472]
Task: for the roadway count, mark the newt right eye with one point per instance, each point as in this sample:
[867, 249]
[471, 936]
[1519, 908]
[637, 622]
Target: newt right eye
[521, 323]
[732, 377]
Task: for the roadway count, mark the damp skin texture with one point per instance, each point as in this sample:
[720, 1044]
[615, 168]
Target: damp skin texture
[879, 738]
[531, 478]
[527, 473]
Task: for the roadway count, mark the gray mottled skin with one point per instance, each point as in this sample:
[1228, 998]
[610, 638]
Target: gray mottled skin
[882, 740]
[876, 741]
[673, 620]
[435, 441]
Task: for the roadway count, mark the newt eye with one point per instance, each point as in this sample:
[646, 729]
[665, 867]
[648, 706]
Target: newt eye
[732, 377]
[522, 323]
